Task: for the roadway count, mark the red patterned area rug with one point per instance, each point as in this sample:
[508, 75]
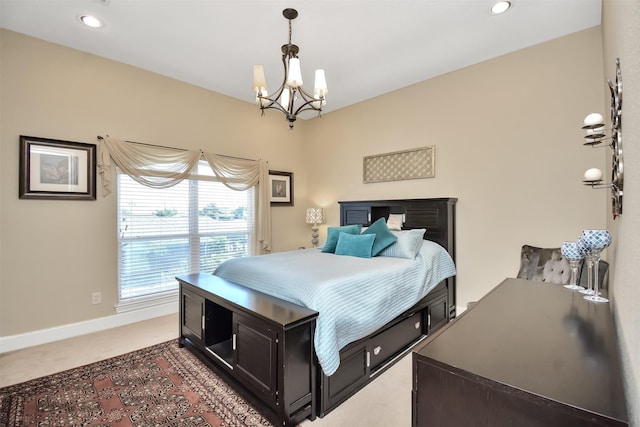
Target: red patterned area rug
[162, 385]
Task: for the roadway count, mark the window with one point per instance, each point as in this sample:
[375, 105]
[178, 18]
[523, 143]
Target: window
[190, 227]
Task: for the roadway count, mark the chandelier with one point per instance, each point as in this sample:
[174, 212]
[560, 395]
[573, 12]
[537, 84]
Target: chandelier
[290, 98]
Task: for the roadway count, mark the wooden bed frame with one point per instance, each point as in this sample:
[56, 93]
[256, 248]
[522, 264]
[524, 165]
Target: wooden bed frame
[264, 344]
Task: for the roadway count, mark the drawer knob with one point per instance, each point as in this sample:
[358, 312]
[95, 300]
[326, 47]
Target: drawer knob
[417, 325]
[377, 350]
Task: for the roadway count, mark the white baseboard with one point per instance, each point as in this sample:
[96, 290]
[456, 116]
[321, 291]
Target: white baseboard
[43, 336]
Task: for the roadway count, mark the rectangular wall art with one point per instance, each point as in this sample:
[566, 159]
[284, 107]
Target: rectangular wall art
[54, 169]
[415, 163]
[281, 184]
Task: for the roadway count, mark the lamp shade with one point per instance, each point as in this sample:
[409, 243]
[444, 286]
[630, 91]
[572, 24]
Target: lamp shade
[259, 82]
[294, 79]
[320, 87]
[315, 216]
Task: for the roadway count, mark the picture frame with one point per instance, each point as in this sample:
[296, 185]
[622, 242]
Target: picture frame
[281, 185]
[56, 169]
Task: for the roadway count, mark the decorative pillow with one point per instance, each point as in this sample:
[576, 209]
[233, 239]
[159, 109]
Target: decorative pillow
[359, 245]
[395, 222]
[334, 232]
[408, 244]
[383, 237]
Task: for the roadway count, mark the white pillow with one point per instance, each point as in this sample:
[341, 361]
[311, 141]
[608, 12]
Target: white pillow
[395, 222]
[407, 245]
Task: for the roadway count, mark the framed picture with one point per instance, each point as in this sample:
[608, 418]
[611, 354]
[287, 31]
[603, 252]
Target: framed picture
[281, 188]
[54, 169]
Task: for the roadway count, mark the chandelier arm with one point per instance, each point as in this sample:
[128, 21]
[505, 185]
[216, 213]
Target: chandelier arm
[273, 105]
[306, 96]
[308, 104]
[273, 100]
[308, 108]
[284, 79]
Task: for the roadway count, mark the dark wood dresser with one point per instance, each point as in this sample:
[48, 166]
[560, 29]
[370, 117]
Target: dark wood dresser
[527, 354]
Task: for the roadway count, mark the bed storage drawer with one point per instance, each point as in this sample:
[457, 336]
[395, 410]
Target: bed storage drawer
[386, 344]
[362, 360]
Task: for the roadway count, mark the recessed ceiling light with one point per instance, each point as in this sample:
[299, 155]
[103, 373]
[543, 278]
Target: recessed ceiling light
[500, 7]
[91, 21]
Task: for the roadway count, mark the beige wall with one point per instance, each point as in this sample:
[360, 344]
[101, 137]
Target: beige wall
[508, 145]
[507, 136]
[621, 28]
[54, 254]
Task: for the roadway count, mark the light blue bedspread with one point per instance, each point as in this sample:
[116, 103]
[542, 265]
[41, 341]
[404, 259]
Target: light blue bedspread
[353, 296]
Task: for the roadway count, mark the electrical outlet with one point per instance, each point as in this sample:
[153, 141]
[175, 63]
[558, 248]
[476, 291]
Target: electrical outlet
[96, 298]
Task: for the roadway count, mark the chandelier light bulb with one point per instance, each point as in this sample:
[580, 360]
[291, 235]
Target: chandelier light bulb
[260, 95]
[318, 104]
[284, 98]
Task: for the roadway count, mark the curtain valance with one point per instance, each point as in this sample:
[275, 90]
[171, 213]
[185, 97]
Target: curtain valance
[161, 167]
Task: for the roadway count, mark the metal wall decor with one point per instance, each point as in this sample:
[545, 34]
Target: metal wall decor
[415, 163]
[596, 135]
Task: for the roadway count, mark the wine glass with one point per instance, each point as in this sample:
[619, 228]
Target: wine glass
[572, 254]
[585, 250]
[596, 241]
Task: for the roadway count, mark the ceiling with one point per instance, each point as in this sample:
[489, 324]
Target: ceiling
[366, 47]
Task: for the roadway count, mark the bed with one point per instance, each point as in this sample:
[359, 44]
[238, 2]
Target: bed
[307, 362]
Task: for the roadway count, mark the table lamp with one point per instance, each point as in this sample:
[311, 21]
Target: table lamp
[315, 216]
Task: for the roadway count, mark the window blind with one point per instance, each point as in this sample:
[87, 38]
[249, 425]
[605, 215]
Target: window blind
[193, 226]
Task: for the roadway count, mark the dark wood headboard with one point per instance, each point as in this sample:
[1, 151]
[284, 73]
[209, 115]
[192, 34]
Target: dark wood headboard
[437, 216]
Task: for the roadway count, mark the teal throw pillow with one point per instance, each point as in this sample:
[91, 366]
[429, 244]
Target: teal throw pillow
[384, 236]
[333, 233]
[355, 245]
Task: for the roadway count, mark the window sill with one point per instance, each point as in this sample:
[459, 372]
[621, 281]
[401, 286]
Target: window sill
[140, 303]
